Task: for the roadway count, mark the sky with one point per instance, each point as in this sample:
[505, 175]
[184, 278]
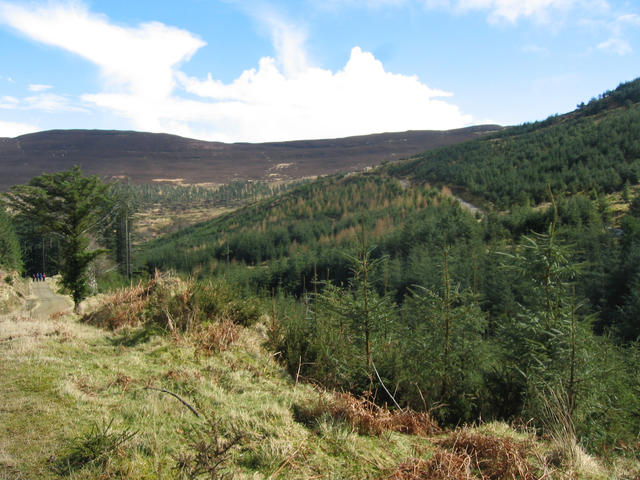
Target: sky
[268, 70]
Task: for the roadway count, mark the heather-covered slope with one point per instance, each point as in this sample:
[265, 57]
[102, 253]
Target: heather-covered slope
[145, 157]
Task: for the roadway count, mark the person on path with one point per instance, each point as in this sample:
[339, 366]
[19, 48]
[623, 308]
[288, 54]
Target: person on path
[44, 277]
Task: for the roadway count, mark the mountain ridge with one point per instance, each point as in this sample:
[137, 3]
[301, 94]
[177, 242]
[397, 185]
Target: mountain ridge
[146, 157]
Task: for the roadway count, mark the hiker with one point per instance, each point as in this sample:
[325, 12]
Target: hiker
[44, 276]
[33, 275]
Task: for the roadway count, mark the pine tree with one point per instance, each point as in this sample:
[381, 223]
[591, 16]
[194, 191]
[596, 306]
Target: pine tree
[69, 206]
[10, 257]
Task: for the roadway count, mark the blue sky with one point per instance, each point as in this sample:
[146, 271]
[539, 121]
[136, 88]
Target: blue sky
[259, 70]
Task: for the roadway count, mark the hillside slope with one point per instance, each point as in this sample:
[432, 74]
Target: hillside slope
[594, 148]
[144, 157]
[80, 402]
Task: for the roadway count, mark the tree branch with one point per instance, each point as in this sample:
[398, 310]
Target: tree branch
[193, 410]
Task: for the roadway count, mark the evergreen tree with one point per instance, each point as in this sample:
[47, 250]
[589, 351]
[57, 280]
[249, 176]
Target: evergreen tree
[69, 206]
[10, 257]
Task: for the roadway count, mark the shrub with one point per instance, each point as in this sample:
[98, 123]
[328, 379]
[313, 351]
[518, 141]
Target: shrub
[94, 447]
[367, 417]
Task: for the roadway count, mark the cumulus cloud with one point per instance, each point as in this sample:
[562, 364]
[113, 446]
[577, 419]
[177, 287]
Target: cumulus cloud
[360, 98]
[14, 129]
[283, 98]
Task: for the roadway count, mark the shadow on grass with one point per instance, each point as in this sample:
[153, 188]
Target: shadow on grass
[131, 338]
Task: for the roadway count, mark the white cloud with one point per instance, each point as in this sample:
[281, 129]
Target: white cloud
[13, 129]
[361, 98]
[511, 11]
[140, 59]
[47, 102]
[283, 98]
[288, 40]
[50, 102]
[535, 49]
[615, 28]
[616, 45]
[264, 104]
[8, 102]
[333, 4]
[38, 87]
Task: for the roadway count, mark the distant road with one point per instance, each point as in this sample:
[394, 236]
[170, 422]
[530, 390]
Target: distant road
[46, 301]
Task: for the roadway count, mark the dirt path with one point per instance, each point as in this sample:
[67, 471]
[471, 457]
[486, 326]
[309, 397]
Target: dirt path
[469, 206]
[46, 302]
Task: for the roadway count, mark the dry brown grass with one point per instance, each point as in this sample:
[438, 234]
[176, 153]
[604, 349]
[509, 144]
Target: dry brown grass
[124, 382]
[370, 419]
[216, 337]
[466, 455]
[443, 465]
[495, 458]
[123, 308]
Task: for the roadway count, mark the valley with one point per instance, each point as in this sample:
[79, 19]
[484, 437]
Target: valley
[469, 312]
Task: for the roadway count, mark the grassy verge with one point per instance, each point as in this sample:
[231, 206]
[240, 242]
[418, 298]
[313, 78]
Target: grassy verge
[64, 384]
[81, 402]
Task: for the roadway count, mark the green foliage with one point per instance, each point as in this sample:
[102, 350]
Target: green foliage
[67, 206]
[233, 194]
[446, 355]
[208, 452]
[10, 256]
[576, 152]
[92, 448]
[526, 303]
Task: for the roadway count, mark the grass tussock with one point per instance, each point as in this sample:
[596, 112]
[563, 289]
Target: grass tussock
[13, 291]
[81, 402]
[217, 337]
[368, 418]
[92, 448]
[494, 458]
[443, 465]
[467, 455]
[123, 308]
[178, 306]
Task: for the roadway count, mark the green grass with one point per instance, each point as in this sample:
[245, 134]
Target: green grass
[63, 382]
[76, 404]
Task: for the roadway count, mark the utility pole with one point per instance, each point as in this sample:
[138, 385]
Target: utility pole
[127, 242]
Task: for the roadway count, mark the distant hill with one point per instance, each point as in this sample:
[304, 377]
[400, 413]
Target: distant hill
[147, 157]
[594, 149]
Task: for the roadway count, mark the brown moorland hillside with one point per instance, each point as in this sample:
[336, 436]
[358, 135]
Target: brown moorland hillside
[147, 157]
